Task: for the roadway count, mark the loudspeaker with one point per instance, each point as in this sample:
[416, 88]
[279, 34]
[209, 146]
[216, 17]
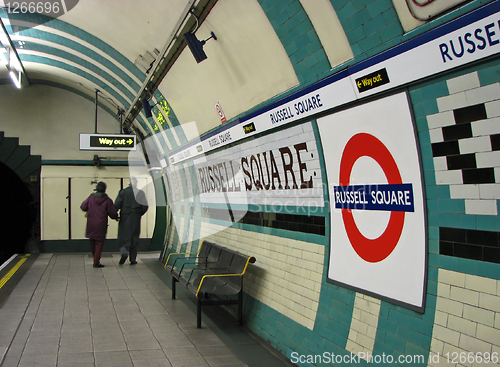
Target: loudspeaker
[147, 108]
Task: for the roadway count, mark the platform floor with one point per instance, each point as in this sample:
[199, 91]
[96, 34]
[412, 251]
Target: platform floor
[64, 312]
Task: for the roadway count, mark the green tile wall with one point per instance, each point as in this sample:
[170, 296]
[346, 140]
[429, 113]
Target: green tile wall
[296, 33]
[443, 211]
[18, 158]
[370, 25]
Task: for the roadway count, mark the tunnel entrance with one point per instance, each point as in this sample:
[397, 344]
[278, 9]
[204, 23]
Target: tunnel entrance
[17, 214]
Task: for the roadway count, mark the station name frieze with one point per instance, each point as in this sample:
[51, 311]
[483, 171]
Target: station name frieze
[299, 108]
[471, 42]
[276, 169]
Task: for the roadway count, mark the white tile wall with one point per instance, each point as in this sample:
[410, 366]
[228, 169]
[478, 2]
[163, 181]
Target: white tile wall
[489, 191]
[166, 139]
[466, 91]
[463, 83]
[363, 325]
[493, 108]
[467, 310]
[285, 197]
[486, 127]
[440, 164]
[464, 191]
[481, 207]
[440, 119]
[483, 94]
[157, 142]
[449, 177]
[452, 278]
[452, 102]
[171, 240]
[436, 135]
[287, 275]
[488, 159]
[474, 145]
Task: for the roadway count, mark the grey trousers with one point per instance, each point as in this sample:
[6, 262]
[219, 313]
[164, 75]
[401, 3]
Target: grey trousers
[131, 251]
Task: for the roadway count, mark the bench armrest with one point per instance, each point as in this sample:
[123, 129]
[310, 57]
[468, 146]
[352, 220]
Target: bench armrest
[251, 259]
[191, 262]
[178, 253]
[213, 276]
[207, 268]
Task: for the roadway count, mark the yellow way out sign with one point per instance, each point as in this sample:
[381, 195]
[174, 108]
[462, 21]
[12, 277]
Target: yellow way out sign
[107, 142]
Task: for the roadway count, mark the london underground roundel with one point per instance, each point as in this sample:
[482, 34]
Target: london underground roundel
[372, 250]
[377, 216]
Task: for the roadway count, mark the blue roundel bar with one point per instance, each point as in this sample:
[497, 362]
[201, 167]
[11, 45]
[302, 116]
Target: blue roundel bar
[397, 198]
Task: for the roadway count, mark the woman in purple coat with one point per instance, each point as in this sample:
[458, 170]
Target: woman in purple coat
[98, 207]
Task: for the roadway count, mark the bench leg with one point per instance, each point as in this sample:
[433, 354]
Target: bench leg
[240, 308]
[198, 314]
[173, 287]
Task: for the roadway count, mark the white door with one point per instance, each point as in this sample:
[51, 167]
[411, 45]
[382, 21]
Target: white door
[55, 208]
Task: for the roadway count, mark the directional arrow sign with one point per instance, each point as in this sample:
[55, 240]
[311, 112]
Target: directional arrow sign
[372, 80]
[107, 142]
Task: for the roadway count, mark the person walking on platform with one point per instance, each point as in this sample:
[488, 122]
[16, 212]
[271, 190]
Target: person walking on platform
[132, 205]
[98, 207]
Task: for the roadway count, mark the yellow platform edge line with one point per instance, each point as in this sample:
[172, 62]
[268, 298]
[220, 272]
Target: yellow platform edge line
[12, 271]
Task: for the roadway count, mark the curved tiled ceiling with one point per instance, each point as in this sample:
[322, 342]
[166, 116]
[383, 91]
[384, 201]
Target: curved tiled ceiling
[97, 45]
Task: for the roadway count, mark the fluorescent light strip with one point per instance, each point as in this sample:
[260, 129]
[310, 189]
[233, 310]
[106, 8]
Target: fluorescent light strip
[16, 81]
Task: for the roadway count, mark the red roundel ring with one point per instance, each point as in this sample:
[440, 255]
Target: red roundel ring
[371, 250]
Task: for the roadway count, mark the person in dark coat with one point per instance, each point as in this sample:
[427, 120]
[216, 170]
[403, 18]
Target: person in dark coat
[132, 205]
[98, 207]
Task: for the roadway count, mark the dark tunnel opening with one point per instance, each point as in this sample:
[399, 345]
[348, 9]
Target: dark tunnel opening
[17, 214]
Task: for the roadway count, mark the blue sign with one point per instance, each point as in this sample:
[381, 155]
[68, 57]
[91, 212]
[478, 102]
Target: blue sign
[398, 197]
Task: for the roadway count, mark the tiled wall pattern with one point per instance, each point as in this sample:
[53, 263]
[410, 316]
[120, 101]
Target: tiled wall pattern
[296, 32]
[363, 325]
[368, 24]
[467, 319]
[298, 209]
[464, 136]
[470, 244]
[72, 49]
[296, 161]
[287, 277]
[290, 222]
[287, 274]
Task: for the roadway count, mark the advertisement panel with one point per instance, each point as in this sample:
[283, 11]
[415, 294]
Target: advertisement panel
[378, 236]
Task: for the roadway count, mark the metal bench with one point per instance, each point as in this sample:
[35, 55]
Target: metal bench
[188, 262]
[215, 270]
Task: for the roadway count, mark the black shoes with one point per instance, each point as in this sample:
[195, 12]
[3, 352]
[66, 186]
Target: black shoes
[133, 262]
[98, 265]
[122, 259]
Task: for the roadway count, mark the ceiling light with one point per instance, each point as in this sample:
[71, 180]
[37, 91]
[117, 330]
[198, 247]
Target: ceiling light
[11, 60]
[16, 80]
